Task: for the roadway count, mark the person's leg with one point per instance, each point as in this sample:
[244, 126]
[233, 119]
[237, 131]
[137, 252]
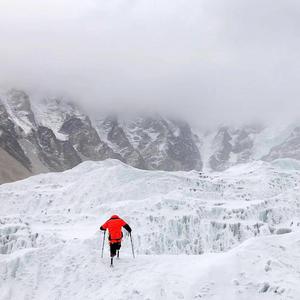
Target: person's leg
[118, 247]
[113, 249]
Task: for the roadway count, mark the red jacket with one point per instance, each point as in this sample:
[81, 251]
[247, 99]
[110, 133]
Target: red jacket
[114, 226]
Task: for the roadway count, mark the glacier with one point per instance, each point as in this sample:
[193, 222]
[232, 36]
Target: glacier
[232, 234]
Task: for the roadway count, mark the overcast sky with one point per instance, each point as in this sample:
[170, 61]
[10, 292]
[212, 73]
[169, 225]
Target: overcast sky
[212, 60]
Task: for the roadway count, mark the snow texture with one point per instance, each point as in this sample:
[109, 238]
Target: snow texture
[230, 235]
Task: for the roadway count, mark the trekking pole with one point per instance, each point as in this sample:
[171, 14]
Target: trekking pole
[103, 244]
[132, 245]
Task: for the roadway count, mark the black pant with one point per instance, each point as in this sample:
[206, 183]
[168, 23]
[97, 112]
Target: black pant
[113, 249]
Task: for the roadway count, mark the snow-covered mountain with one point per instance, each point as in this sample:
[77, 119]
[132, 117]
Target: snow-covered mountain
[245, 223]
[55, 134]
[231, 145]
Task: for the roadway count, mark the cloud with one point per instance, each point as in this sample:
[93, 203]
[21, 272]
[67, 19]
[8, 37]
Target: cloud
[208, 60]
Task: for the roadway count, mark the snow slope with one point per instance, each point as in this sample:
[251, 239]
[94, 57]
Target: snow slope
[50, 243]
[261, 268]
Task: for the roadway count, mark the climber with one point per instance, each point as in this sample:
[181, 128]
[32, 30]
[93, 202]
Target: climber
[114, 226]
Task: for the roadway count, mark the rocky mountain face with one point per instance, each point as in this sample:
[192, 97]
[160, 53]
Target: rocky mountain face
[289, 148]
[153, 143]
[54, 134]
[232, 146]
[10, 134]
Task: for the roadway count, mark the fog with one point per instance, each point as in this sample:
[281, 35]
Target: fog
[205, 60]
